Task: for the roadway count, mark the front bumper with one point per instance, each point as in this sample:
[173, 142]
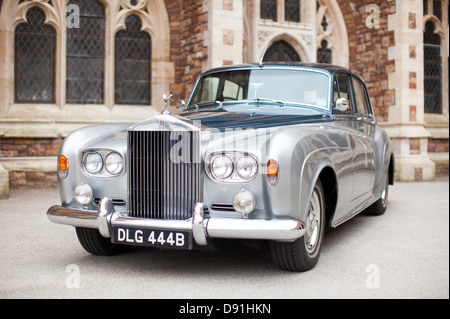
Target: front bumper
[202, 227]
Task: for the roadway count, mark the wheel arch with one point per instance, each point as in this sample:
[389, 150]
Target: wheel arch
[391, 170]
[328, 179]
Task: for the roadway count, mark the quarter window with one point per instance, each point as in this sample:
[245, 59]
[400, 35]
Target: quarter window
[362, 106]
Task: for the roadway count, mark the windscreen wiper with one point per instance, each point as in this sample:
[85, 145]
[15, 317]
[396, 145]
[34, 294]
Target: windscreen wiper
[262, 99]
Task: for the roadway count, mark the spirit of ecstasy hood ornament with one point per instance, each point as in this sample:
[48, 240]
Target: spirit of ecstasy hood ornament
[166, 99]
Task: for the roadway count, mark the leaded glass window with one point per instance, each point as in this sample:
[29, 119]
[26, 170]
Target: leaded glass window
[432, 69]
[437, 9]
[292, 10]
[34, 60]
[324, 55]
[85, 57]
[269, 9]
[133, 64]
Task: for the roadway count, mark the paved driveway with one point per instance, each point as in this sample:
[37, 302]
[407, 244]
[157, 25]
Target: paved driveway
[402, 254]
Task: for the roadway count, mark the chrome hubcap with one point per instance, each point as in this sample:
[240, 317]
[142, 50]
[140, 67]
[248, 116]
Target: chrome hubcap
[313, 224]
[384, 194]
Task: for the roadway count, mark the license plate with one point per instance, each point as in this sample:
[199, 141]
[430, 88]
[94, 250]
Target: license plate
[152, 237]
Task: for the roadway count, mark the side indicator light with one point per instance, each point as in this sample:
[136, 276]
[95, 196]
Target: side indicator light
[63, 166]
[272, 172]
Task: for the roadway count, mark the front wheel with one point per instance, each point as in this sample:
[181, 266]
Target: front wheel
[94, 243]
[303, 254]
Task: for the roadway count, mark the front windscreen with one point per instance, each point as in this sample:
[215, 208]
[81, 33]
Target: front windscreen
[276, 87]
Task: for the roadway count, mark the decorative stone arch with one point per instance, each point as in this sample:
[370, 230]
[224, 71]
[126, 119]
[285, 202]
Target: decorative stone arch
[18, 13]
[335, 33]
[155, 21]
[300, 45]
[440, 30]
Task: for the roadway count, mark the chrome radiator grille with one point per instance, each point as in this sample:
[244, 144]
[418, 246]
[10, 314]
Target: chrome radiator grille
[161, 186]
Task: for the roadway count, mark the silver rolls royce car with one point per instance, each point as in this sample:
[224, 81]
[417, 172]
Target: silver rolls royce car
[272, 152]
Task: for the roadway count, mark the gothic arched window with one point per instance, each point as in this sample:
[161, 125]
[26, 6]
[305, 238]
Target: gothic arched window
[133, 64]
[86, 54]
[281, 51]
[34, 60]
[432, 69]
[324, 54]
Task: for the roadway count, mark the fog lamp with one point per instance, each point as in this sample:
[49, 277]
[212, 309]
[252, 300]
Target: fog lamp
[244, 202]
[83, 194]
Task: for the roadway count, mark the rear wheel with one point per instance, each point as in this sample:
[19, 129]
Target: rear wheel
[303, 254]
[93, 242]
[379, 207]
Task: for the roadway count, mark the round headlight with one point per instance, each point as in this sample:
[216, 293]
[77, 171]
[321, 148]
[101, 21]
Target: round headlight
[93, 163]
[222, 167]
[114, 163]
[246, 167]
[244, 202]
[83, 194]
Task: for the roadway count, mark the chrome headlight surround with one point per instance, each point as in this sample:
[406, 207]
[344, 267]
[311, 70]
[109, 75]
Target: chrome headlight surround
[238, 167]
[112, 163]
[221, 167]
[92, 162]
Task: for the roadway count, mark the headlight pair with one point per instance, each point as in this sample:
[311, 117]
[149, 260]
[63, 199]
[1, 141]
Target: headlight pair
[96, 162]
[232, 166]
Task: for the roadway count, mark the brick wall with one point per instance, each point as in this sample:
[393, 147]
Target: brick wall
[29, 147]
[368, 49]
[436, 145]
[187, 25]
[23, 147]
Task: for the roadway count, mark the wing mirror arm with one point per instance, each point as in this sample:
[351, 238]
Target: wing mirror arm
[181, 105]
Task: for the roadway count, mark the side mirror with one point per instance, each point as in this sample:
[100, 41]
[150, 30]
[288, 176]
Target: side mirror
[342, 104]
[181, 104]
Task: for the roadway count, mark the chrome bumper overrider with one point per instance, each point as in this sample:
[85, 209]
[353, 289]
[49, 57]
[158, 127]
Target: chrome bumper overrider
[202, 228]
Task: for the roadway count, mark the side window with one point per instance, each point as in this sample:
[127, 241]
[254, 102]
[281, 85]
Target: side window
[343, 89]
[362, 105]
[231, 91]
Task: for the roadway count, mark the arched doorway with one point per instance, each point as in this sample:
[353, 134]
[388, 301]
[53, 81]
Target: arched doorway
[281, 51]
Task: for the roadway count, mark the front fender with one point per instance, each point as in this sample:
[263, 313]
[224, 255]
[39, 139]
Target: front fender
[108, 136]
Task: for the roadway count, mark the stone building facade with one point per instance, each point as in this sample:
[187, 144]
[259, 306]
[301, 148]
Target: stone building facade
[65, 64]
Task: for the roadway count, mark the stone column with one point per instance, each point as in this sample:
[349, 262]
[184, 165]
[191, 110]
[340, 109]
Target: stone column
[225, 32]
[406, 121]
